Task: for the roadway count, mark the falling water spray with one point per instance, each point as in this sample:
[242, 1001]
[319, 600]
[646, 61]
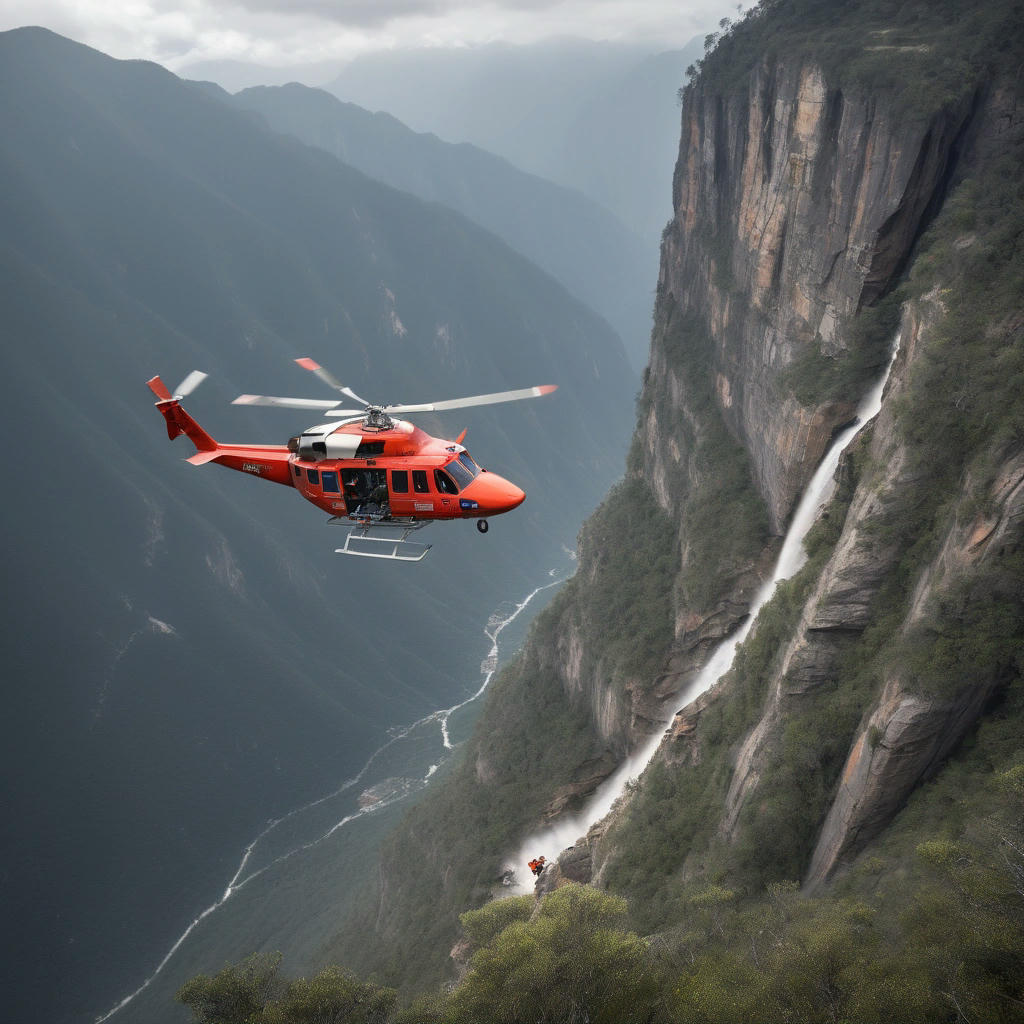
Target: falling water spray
[563, 833]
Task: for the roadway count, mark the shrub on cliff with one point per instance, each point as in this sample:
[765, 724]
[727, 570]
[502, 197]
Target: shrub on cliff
[253, 992]
[570, 963]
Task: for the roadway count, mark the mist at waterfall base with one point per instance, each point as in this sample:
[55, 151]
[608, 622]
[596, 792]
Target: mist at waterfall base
[562, 834]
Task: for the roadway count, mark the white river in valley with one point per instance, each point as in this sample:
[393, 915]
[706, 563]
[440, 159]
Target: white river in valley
[248, 871]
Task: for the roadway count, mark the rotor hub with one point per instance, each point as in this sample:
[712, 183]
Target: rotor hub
[377, 419]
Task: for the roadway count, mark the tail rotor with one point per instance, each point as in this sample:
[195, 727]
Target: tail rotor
[189, 384]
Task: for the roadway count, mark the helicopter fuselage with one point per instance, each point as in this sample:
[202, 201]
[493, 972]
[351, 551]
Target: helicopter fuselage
[425, 477]
[345, 468]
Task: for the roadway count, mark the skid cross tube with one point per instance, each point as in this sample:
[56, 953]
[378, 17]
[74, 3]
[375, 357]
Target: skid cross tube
[402, 549]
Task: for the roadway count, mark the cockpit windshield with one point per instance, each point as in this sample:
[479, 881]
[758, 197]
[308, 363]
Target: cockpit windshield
[462, 475]
[467, 460]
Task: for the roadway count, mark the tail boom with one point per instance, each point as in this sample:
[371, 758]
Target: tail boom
[270, 462]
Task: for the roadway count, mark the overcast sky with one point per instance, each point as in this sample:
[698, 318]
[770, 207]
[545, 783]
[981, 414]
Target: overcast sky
[275, 32]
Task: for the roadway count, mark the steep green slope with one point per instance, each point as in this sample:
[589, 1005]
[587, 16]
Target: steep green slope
[534, 744]
[185, 657]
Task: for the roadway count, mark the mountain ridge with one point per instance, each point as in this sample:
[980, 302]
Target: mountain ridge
[596, 257]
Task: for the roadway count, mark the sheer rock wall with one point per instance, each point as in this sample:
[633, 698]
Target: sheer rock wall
[795, 205]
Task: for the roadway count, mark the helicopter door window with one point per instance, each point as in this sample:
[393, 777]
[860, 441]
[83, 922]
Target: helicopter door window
[329, 479]
[353, 492]
[400, 481]
[445, 484]
[419, 481]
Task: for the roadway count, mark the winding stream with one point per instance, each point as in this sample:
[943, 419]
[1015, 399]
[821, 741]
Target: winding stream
[306, 827]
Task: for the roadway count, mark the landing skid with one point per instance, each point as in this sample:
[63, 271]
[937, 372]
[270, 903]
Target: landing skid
[360, 536]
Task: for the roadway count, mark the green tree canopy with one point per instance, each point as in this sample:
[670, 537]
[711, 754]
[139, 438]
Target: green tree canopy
[252, 992]
[570, 962]
[236, 995]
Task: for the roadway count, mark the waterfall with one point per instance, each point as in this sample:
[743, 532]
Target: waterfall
[563, 833]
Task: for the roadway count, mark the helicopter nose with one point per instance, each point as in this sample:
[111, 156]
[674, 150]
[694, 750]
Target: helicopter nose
[515, 496]
[498, 494]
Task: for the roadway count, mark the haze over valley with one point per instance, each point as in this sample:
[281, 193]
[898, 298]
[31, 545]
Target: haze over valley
[723, 723]
[187, 657]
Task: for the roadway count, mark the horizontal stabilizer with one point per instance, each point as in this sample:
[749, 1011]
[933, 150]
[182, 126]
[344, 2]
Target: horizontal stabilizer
[201, 458]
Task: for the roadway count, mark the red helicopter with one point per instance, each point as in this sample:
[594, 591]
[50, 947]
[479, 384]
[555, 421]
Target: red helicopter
[371, 472]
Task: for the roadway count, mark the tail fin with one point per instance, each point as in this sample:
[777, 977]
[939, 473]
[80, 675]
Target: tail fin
[178, 421]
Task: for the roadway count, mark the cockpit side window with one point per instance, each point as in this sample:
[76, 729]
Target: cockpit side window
[445, 484]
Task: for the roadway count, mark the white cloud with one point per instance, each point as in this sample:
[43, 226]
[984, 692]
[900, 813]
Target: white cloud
[180, 32]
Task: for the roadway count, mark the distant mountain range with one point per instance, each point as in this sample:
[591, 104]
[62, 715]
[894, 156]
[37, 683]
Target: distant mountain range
[600, 117]
[184, 655]
[577, 241]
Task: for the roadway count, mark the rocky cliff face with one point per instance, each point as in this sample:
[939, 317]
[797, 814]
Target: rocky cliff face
[906, 736]
[796, 205]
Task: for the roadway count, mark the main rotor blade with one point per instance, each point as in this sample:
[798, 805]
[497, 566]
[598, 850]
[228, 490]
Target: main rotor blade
[328, 378]
[285, 403]
[464, 403]
[190, 383]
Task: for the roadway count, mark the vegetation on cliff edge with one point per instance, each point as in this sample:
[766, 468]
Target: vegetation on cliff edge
[931, 929]
[925, 54]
